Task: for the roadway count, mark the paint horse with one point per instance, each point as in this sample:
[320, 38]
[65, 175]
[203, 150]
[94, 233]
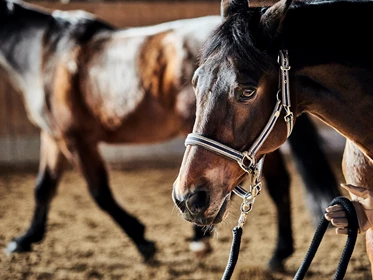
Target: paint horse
[84, 82]
[259, 71]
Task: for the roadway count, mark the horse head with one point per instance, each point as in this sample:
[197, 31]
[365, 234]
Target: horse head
[236, 86]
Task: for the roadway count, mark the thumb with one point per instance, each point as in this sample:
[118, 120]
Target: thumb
[358, 191]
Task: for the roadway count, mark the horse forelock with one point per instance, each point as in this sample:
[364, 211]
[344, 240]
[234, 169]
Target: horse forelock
[237, 38]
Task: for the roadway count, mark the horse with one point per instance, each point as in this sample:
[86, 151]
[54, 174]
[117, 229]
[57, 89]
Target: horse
[259, 72]
[84, 82]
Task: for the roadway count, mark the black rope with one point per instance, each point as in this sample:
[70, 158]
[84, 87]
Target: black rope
[320, 231]
[233, 256]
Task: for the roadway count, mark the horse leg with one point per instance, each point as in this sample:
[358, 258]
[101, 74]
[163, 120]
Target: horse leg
[200, 242]
[51, 167]
[278, 185]
[369, 246]
[91, 165]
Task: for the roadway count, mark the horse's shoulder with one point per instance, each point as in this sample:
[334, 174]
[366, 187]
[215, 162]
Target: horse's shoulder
[158, 62]
[68, 32]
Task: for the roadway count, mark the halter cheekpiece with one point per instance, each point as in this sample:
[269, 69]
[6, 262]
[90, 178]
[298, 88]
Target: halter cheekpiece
[246, 159]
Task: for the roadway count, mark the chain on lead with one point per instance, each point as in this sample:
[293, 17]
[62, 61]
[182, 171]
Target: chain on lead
[248, 202]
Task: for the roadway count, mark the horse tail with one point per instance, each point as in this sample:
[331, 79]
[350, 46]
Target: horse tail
[320, 183]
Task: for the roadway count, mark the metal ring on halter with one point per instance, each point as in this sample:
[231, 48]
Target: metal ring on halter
[289, 117]
[247, 207]
[277, 95]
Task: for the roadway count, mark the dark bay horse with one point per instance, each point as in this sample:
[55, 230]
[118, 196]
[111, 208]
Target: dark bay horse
[259, 72]
[83, 82]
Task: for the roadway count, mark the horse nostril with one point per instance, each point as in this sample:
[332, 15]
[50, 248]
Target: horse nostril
[198, 202]
[180, 204]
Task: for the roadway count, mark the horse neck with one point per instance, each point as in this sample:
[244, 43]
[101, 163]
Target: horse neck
[20, 53]
[21, 48]
[332, 65]
[343, 100]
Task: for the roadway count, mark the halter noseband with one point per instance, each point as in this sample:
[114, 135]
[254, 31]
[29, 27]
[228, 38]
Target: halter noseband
[246, 159]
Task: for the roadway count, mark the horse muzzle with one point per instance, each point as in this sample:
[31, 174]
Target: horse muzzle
[195, 207]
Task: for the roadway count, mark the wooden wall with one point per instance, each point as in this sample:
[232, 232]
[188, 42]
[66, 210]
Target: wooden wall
[139, 13]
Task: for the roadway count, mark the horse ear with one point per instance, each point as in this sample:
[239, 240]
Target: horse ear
[225, 6]
[271, 20]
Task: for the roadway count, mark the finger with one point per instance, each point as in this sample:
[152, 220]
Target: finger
[358, 191]
[338, 214]
[341, 231]
[339, 222]
[327, 217]
[334, 208]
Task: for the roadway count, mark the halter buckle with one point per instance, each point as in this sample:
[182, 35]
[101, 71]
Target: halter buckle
[285, 68]
[289, 117]
[247, 168]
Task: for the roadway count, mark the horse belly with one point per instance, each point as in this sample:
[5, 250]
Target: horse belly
[146, 127]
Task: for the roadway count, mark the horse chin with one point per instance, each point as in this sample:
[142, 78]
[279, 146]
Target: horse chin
[223, 212]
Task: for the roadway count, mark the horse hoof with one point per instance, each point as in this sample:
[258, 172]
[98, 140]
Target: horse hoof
[200, 248]
[147, 250]
[275, 266]
[16, 247]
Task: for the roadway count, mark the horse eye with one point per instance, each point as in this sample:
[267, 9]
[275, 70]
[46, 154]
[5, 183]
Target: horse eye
[244, 94]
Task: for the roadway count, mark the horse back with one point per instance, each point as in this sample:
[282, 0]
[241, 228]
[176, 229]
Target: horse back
[128, 77]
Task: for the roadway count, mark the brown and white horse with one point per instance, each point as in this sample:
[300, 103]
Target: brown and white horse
[84, 82]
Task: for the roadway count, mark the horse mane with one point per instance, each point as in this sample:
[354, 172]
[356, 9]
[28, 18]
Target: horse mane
[80, 17]
[77, 27]
[237, 37]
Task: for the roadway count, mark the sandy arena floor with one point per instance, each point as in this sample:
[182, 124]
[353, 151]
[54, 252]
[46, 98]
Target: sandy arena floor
[83, 243]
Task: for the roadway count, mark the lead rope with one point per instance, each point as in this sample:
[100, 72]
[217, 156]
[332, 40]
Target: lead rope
[233, 255]
[246, 207]
[320, 231]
